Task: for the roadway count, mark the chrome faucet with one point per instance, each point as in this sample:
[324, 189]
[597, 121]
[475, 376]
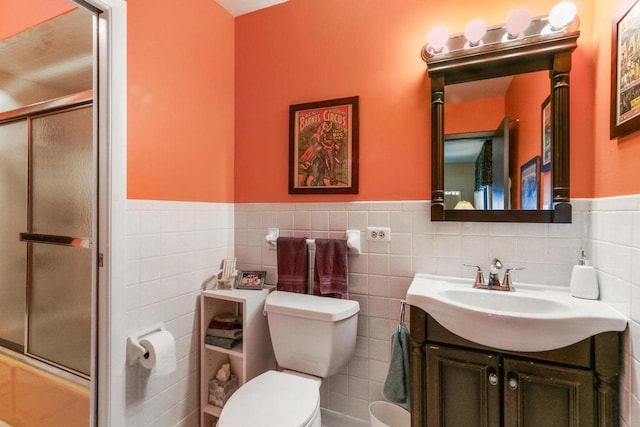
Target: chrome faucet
[494, 280]
[506, 281]
[479, 283]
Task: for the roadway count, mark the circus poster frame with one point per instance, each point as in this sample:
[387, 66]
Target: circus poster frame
[323, 147]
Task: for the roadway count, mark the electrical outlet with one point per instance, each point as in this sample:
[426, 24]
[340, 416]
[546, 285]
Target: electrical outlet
[379, 234]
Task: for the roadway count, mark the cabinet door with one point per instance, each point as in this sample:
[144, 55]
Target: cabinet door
[462, 388]
[542, 395]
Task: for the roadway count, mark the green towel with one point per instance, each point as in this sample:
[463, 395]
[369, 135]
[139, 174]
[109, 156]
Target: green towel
[397, 386]
[222, 342]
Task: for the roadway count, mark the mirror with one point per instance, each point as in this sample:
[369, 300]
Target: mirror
[476, 169]
[492, 128]
[511, 101]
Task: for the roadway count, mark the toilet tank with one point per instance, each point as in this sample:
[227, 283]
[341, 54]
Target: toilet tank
[312, 334]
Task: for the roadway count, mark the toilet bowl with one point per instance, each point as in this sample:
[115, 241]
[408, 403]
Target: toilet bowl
[274, 399]
[313, 337]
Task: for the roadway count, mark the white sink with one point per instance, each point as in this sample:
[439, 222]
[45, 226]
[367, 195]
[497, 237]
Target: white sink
[533, 318]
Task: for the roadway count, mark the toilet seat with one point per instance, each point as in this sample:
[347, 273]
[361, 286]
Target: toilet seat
[273, 399]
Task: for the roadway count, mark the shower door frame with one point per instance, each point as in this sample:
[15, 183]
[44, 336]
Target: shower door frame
[66, 103]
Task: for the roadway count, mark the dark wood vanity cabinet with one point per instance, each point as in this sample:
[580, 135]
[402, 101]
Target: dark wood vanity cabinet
[462, 387]
[456, 382]
[540, 394]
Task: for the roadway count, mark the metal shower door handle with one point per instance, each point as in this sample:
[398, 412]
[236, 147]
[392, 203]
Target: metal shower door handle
[79, 242]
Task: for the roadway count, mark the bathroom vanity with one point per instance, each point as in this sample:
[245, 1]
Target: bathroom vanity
[532, 357]
[456, 382]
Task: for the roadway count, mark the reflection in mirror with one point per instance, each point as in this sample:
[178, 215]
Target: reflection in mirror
[476, 174]
[492, 128]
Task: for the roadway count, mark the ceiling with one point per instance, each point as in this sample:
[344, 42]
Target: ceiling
[57, 54]
[240, 7]
[462, 150]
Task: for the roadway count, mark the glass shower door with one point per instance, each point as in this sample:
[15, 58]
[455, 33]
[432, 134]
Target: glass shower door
[60, 256]
[13, 220]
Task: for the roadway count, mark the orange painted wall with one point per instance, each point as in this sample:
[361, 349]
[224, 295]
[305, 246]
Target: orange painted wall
[309, 50]
[474, 116]
[616, 161]
[180, 101]
[18, 16]
[535, 88]
[527, 142]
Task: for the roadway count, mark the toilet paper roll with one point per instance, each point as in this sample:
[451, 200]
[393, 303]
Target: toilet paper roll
[161, 347]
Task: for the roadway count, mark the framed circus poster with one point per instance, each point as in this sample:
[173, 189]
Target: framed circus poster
[323, 147]
[625, 71]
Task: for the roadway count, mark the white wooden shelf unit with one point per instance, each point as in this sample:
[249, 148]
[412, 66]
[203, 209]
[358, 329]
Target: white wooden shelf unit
[248, 359]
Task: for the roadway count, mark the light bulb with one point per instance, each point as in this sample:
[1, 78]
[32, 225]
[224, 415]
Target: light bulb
[437, 40]
[562, 15]
[517, 22]
[474, 32]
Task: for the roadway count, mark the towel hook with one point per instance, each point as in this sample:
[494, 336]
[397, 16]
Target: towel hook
[403, 303]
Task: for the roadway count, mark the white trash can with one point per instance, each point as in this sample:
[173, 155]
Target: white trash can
[387, 414]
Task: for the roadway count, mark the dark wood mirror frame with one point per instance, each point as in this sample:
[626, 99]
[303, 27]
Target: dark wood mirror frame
[551, 53]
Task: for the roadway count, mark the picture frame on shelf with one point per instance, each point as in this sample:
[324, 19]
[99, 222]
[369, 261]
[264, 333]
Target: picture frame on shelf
[323, 147]
[625, 75]
[251, 279]
[529, 184]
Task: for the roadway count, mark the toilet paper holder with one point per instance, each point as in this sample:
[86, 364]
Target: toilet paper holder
[135, 351]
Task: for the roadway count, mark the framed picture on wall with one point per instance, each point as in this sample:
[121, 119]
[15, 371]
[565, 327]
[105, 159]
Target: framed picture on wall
[625, 70]
[529, 183]
[323, 147]
[546, 135]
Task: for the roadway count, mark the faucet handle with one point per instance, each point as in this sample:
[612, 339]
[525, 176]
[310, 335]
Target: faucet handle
[479, 276]
[506, 282]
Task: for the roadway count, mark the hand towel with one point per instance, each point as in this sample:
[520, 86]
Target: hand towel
[293, 264]
[397, 385]
[331, 270]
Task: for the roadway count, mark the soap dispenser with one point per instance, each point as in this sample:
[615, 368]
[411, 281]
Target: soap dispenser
[584, 282]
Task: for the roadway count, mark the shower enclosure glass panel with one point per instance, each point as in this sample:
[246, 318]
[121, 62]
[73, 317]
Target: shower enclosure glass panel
[13, 253]
[62, 204]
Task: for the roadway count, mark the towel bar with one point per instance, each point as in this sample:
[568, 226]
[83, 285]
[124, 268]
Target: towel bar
[353, 240]
[403, 304]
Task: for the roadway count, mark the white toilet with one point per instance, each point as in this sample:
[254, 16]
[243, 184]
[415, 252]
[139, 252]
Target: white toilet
[313, 337]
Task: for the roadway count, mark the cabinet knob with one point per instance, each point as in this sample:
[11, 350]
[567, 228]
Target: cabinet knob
[493, 379]
[513, 384]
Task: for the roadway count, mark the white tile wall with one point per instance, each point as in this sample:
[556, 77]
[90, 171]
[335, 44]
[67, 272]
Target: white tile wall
[172, 249]
[614, 245]
[381, 275]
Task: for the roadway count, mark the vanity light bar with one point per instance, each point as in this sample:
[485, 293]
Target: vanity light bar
[519, 26]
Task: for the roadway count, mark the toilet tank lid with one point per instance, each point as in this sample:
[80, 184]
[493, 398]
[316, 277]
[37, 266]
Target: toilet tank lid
[310, 306]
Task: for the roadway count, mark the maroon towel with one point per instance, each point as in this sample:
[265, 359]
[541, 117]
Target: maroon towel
[293, 264]
[331, 270]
